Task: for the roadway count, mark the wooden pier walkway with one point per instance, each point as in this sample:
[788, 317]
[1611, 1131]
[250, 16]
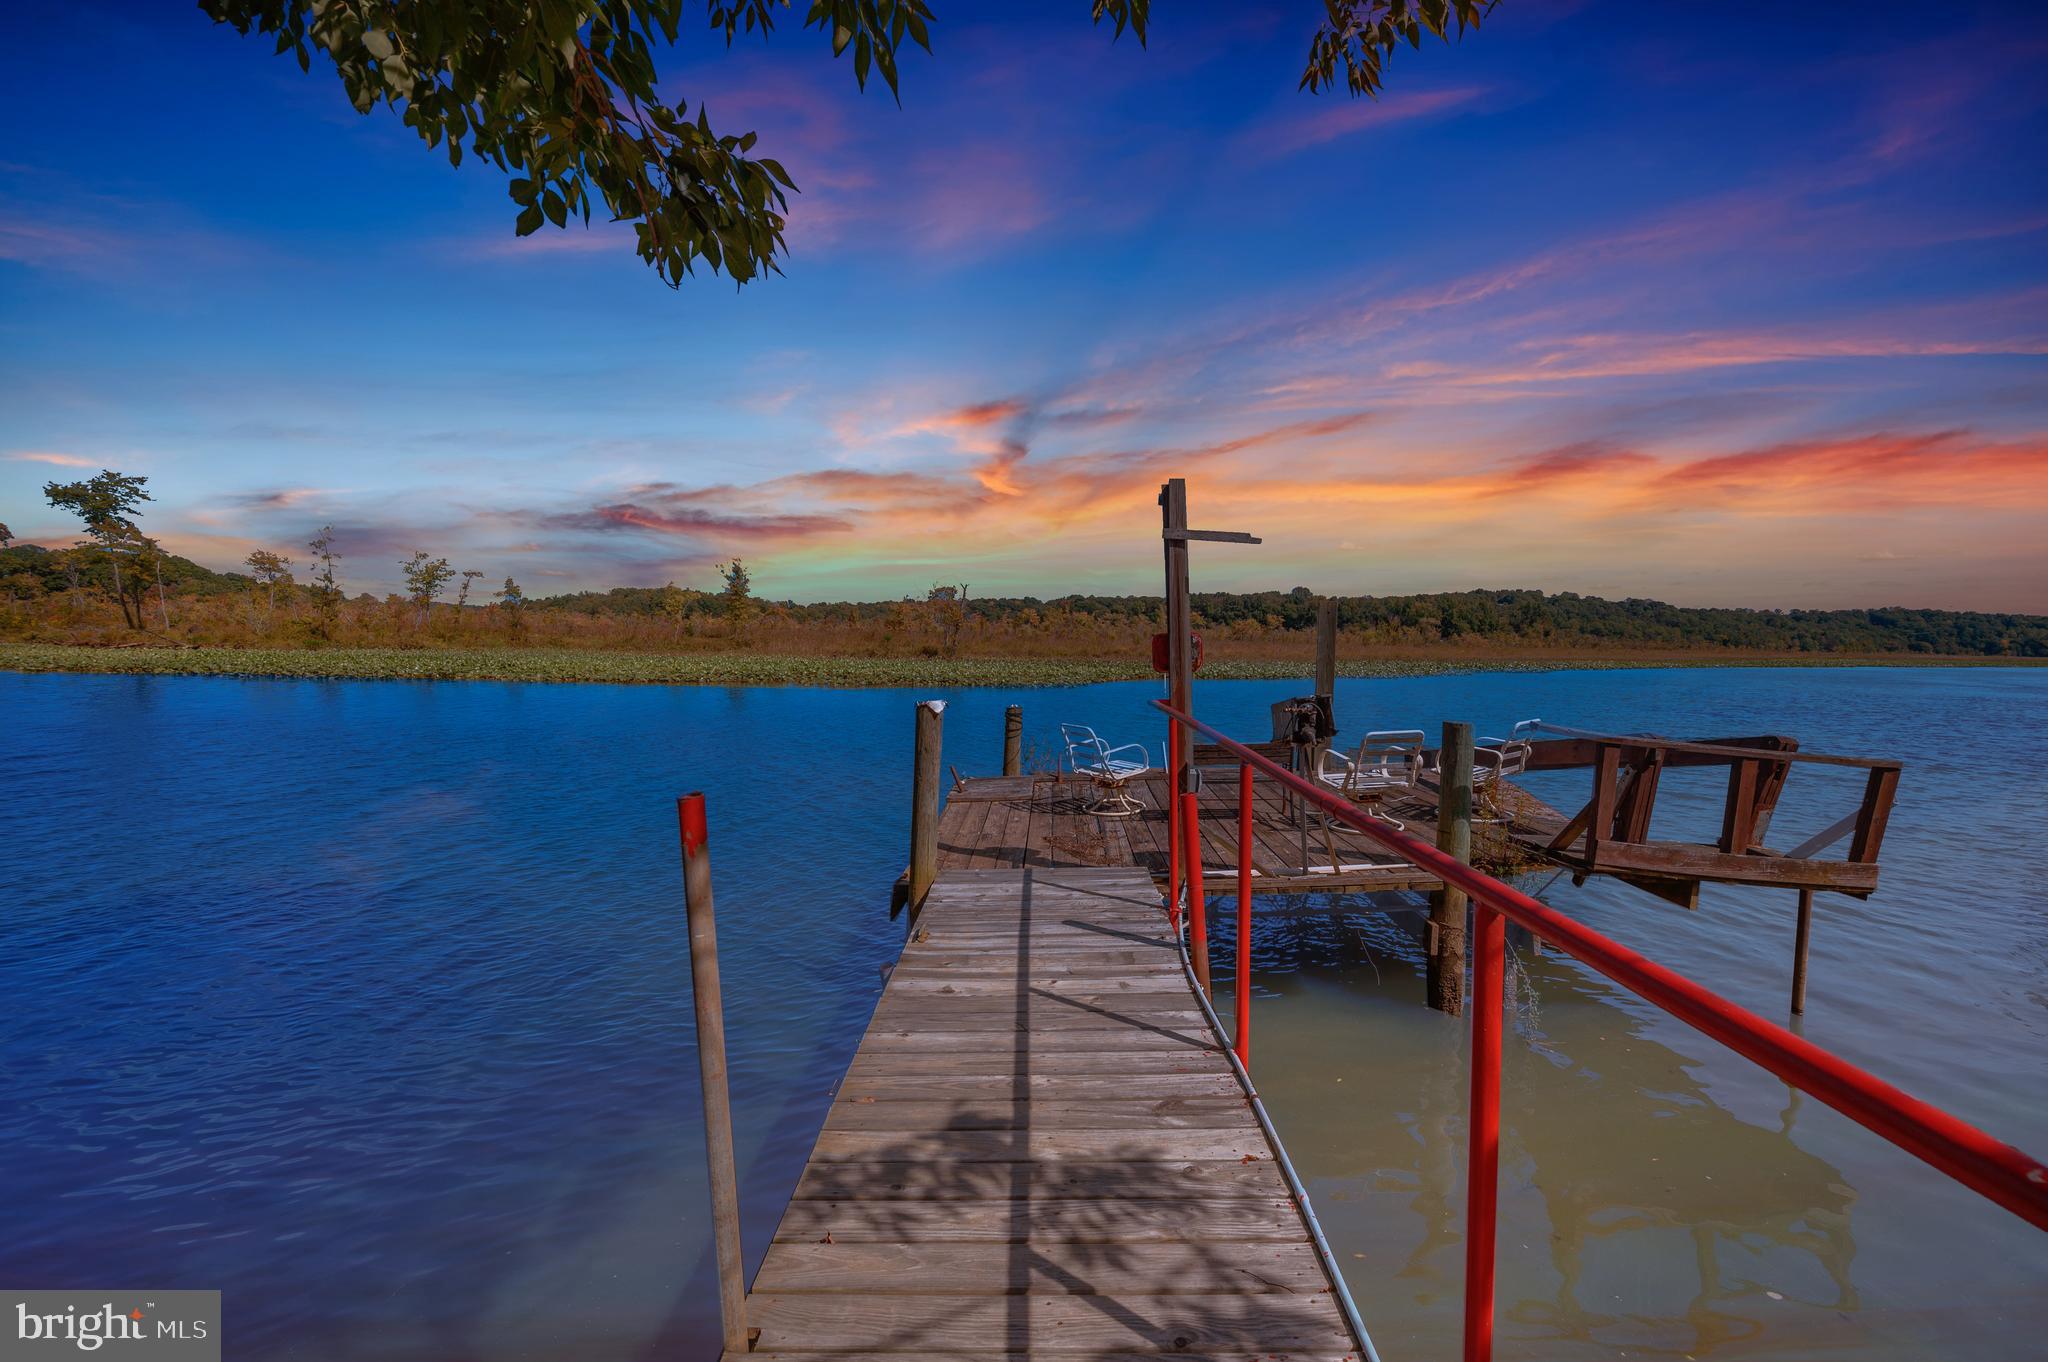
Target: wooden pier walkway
[1042, 1150]
[999, 822]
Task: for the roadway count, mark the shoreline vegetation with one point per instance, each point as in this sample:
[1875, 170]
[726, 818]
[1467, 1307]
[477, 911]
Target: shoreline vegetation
[117, 602]
[583, 665]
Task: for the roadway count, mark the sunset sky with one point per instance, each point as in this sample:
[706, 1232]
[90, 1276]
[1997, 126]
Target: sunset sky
[1740, 304]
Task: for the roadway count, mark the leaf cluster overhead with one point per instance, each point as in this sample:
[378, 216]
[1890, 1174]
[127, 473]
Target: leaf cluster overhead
[564, 96]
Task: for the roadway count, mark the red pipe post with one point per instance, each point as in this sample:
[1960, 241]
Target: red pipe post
[2004, 1174]
[1173, 823]
[1198, 918]
[1482, 1195]
[1244, 916]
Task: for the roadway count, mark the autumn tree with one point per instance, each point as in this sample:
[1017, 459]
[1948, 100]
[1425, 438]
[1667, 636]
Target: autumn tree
[469, 576]
[271, 570]
[947, 606]
[326, 589]
[6, 535]
[566, 100]
[738, 596]
[672, 601]
[510, 596]
[424, 578]
[108, 504]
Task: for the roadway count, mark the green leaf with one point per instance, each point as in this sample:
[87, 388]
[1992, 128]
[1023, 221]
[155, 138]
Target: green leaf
[529, 220]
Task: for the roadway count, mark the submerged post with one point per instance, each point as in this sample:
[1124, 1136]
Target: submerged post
[924, 802]
[1013, 740]
[725, 1192]
[1799, 952]
[1453, 836]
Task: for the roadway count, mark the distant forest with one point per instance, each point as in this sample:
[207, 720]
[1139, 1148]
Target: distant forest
[1533, 617]
[63, 596]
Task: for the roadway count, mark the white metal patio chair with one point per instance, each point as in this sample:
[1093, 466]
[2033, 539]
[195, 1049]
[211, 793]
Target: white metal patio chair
[1491, 765]
[1110, 769]
[1382, 763]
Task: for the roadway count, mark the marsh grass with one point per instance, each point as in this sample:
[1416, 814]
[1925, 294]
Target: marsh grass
[753, 668]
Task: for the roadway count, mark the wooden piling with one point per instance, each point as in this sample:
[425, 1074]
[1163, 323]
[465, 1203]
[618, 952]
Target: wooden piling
[924, 802]
[1013, 740]
[1326, 647]
[725, 1192]
[1447, 905]
[1799, 951]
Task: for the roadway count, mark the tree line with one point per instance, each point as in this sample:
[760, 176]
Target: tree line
[117, 580]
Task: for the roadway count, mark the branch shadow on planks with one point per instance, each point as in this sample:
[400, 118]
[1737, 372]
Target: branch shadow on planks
[916, 1248]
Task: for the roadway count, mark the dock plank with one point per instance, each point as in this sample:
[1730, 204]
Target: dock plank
[1040, 1148]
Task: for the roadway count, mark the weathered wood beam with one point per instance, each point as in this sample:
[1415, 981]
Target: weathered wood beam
[1181, 534]
[1876, 812]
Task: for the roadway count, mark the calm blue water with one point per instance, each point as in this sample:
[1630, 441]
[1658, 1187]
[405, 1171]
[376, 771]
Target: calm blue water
[367, 1003]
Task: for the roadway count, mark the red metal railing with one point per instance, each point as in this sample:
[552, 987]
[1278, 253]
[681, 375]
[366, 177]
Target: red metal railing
[1997, 1170]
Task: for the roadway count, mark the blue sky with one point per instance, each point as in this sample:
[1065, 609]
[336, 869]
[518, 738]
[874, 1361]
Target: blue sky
[1724, 304]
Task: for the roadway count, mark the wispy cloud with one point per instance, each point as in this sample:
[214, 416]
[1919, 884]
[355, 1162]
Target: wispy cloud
[1330, 120]
[60, 460]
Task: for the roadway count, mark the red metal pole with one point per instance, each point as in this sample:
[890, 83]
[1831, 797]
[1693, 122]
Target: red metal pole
[2009, 1176]
[1244, 916]
[1173, 823]
[1198, 920]
[1482, 1195]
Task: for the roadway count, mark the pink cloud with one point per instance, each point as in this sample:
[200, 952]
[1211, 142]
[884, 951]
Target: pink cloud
[61, 460]
[1286, 136]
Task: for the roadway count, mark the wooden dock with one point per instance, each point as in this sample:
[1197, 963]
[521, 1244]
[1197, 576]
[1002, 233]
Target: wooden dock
[1011, 822]
[1006, 822]
[1042, 1149]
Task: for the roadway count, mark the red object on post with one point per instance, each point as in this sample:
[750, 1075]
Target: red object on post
[1244, 916]
[1159, 661]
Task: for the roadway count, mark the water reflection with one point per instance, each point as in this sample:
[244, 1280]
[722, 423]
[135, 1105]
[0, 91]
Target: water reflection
[1635, 1147]
[1638, 1211]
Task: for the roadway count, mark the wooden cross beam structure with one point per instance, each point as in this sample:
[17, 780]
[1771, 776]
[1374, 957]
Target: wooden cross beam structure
[1180, 663]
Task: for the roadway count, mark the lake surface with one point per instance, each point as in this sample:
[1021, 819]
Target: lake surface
[367, 1003]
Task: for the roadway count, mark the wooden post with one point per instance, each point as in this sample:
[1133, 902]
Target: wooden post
[1326, 647]
[1799, 951]
[1180, 667]
[924, 802]
[725, 1192]
[1013, 740]
[1326, 677]
[1454, 836]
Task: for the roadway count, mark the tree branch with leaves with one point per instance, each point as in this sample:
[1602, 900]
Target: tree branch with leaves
[564, 97]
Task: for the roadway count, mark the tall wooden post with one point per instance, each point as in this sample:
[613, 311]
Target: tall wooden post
[1326, 647]
[1013, 740]
[1799, 951]
[924, 802]
[725, 1192]
[1453, 836]
[1180, 666]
